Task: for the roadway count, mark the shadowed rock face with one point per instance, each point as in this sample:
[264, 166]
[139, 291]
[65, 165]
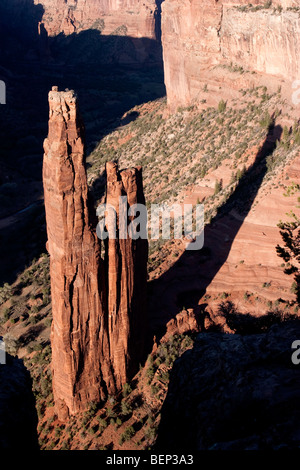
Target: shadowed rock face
[18, 416]
[86, 365]
[234, 392]
[81, 31]
[68, 16]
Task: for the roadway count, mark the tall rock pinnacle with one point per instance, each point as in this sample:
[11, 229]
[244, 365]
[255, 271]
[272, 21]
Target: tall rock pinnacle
[127, 277]
[92, 328]
[79, 329]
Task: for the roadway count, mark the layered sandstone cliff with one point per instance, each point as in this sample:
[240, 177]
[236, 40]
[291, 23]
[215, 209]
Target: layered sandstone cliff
[200, 37]
[94, 330]
[69, 16]
[102, 31]
[81, 31]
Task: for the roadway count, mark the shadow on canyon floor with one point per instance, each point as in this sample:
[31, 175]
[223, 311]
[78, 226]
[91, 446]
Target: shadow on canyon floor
[187, 280]
[18, 416]
[110, 74]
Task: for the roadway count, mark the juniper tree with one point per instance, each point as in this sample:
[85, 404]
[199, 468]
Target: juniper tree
[290, 252]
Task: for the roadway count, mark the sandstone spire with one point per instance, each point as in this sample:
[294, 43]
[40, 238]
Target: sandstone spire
[127, 278]
[98, 307]
[80, 349]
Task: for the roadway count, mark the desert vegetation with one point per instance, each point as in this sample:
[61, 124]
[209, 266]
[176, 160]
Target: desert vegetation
[183, 150]
[129, 420]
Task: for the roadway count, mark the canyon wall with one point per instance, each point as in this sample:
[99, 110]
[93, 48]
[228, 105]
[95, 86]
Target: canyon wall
[264, 41]
[138, 19]
[94, 328]
[102, 31]
[201, 38]
[81, 31]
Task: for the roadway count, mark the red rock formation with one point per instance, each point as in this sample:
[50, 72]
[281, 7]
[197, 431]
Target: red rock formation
[89, 355]
[69, 16]
[120, 31]
[204, 38]
[80, 348]
[185, 322]
[127, 277]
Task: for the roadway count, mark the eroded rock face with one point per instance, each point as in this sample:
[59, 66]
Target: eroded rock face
[201, 36]
[82, 31]
[127, 277]
[262, 41]
[184, 322]
[69, 16]
[80, 348]
[103, 31]
[92, 329]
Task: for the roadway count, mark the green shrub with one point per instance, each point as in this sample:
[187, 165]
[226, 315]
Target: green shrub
[110, 413]
[6, 314]
[222, 106]
[126, 390]
[266, 121]
[126, 408]
[150, 373]
[218, 187]
[127, 435]
[5, 293]
[102, 423]
[151, 433]
[154, 390]
[118, 422]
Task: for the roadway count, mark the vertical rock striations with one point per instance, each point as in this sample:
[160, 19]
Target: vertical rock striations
[190, 43]
[79, 337]
[202, 39]
[127, 277]
[89, 355]
[69, 16]
[122, 31]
